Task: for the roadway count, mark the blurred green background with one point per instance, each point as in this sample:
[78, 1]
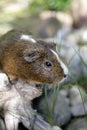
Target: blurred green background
[24, 14]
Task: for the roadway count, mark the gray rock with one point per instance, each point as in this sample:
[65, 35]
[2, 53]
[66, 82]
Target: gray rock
[48, 27]
[79, 110]
[77, 124]
[61, 113]
[55, 128]
[64, 92]
[75, 96]
[2, 125]
[78, 101]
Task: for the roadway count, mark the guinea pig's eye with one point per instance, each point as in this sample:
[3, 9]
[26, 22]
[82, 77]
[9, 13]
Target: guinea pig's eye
[48, 64]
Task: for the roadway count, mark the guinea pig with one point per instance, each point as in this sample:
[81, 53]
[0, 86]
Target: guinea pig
[22, 56]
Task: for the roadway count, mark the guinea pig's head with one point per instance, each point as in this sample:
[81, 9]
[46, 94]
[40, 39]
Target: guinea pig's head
[35, 61]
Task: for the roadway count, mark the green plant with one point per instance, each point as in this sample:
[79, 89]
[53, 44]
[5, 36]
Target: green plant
[50, 108]
[54, 5]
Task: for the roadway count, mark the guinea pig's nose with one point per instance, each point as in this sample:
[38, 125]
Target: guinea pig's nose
[65, 75]
[65, 69]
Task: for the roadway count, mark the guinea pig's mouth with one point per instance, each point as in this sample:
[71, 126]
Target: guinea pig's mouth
[66, 81]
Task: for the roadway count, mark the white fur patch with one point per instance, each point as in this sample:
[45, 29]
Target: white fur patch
[65, 69]
[27, 38]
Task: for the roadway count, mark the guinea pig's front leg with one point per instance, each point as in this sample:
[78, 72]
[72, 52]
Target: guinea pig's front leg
[11, 121]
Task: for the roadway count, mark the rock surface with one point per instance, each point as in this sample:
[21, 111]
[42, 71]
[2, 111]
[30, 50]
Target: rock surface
[62, 112]
[78, 124]
[2, 125]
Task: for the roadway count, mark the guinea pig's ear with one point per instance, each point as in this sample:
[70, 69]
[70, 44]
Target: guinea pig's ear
[50, 45]
[30, 57]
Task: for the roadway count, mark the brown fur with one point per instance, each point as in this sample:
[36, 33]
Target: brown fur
[13, 54]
